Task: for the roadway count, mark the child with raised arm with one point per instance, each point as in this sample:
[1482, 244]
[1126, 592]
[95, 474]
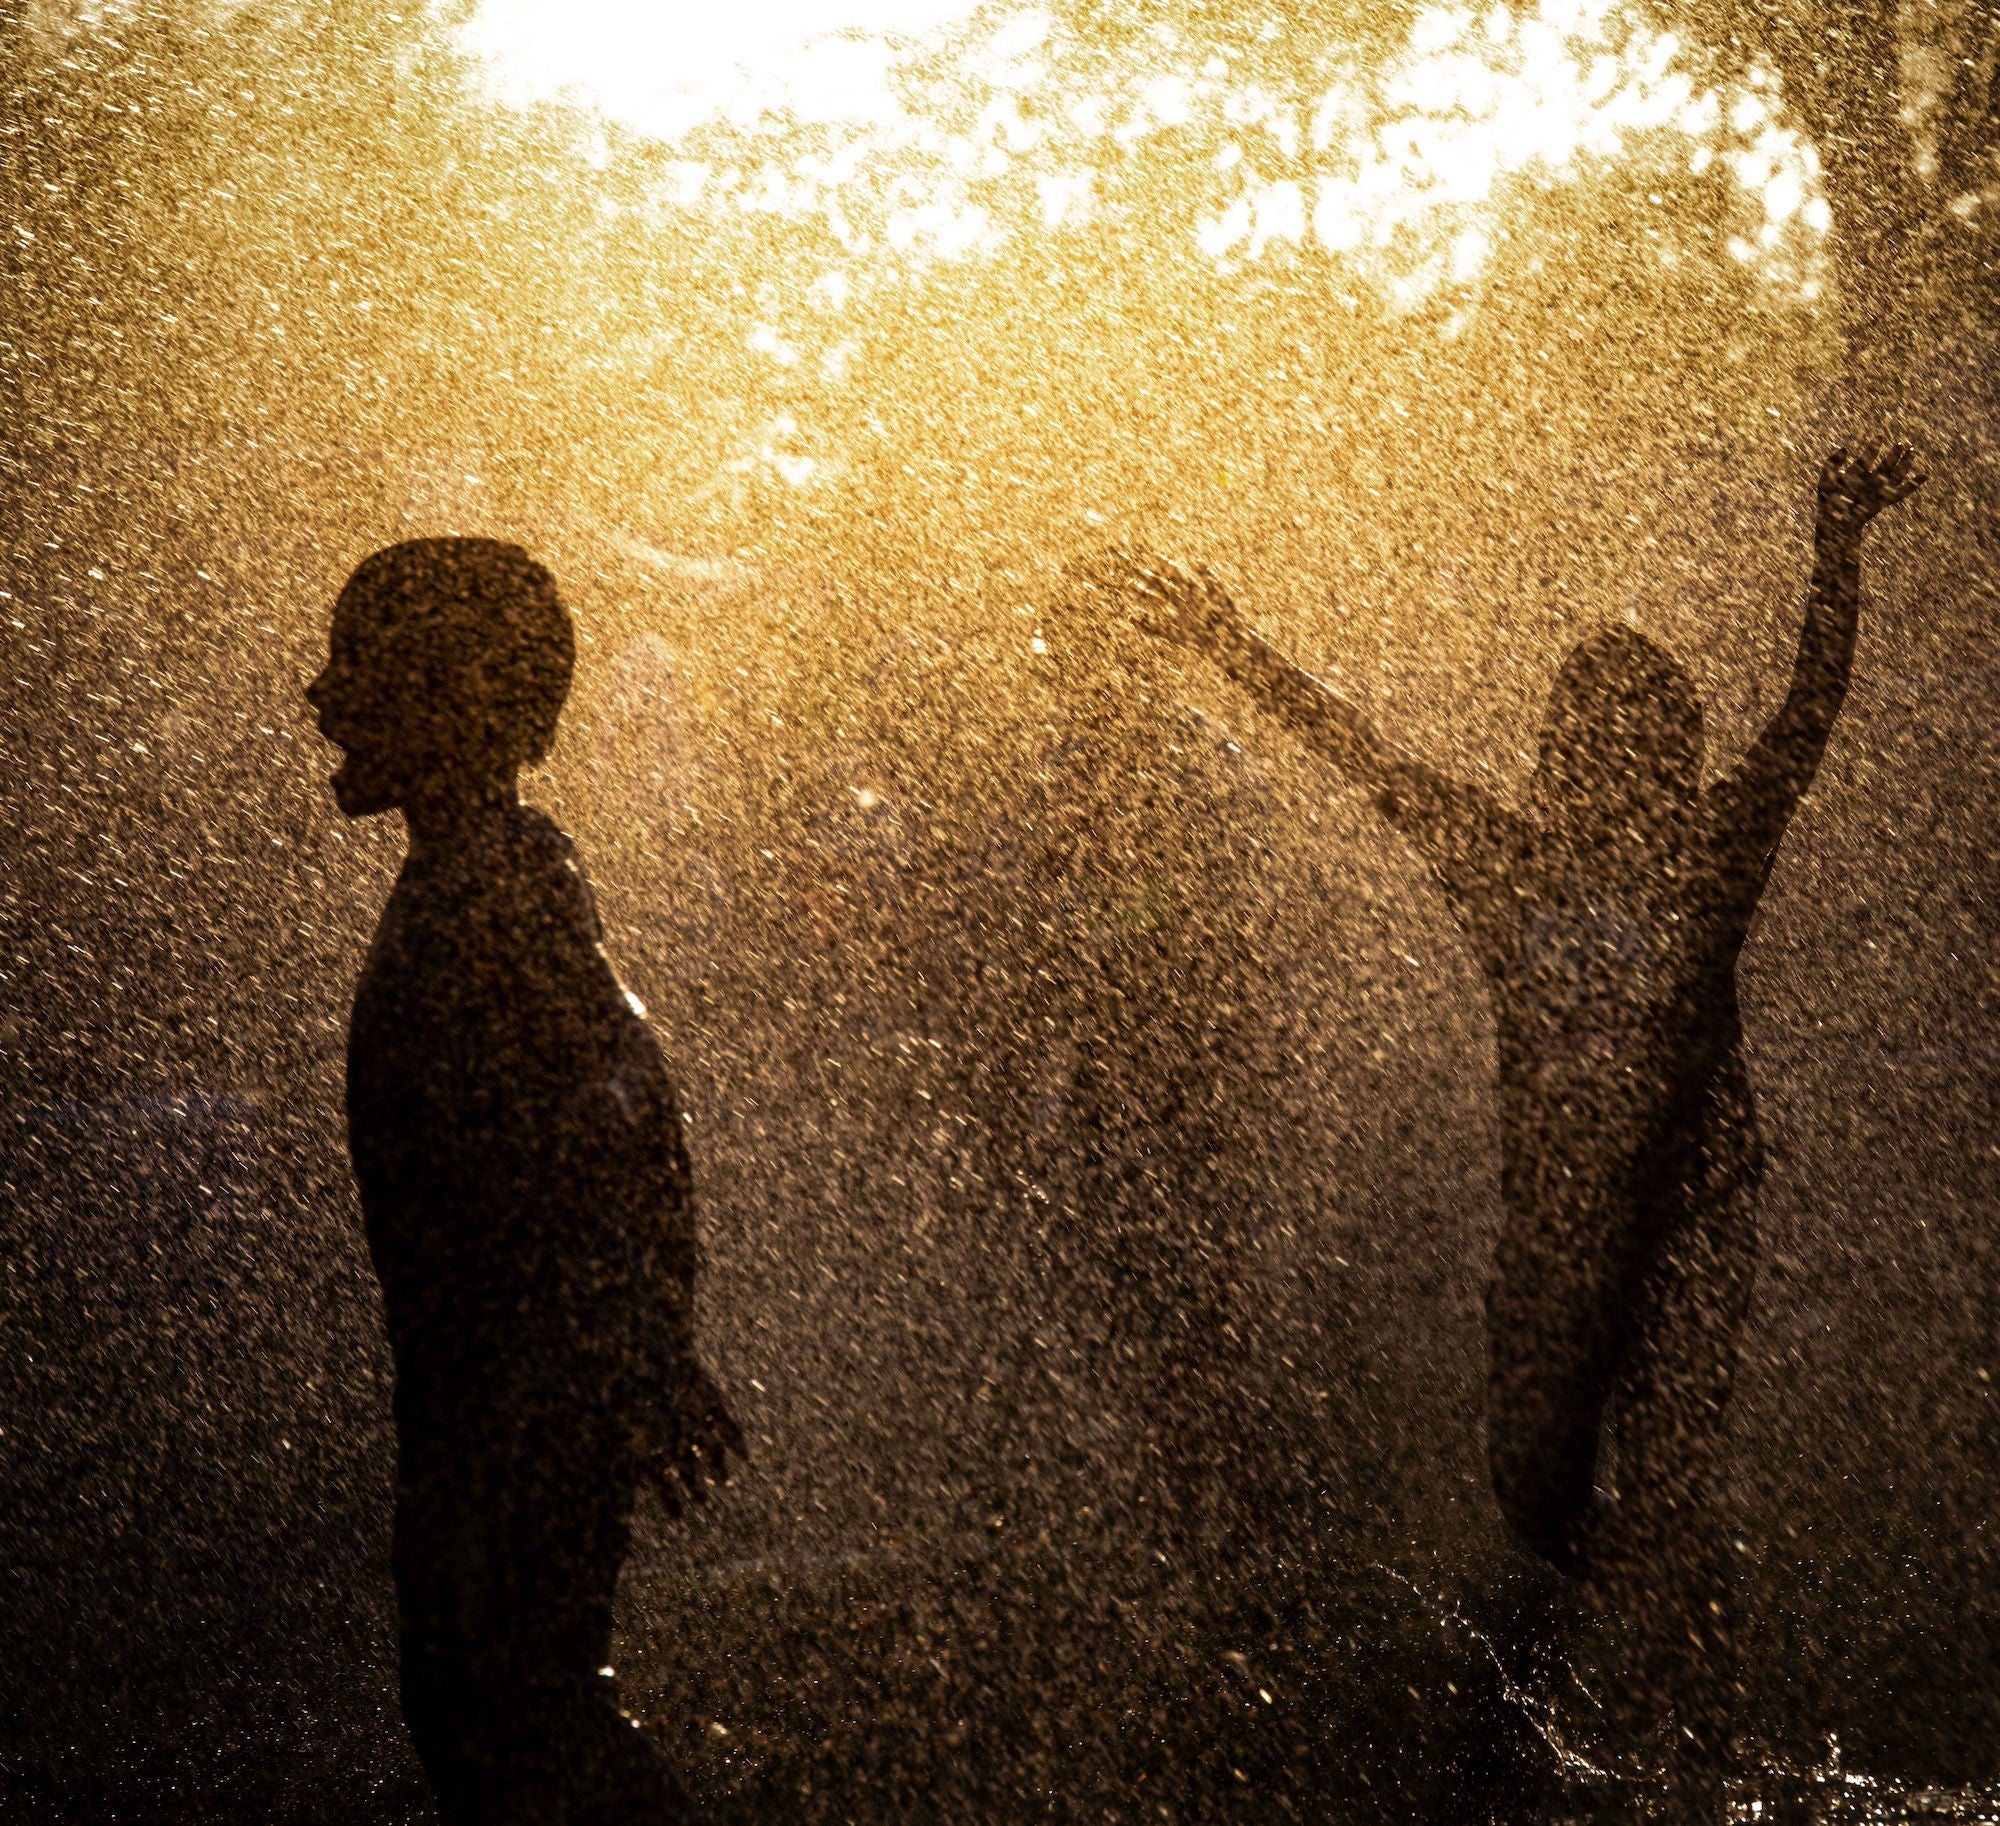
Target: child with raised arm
[1607, 916]
[525, 1185]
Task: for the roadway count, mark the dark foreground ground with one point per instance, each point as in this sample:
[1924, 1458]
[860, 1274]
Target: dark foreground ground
[975, 1685]
[195, 1618]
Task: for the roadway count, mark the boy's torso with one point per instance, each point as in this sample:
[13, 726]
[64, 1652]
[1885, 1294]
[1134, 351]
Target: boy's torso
[1618, 1034]
[484, 1014]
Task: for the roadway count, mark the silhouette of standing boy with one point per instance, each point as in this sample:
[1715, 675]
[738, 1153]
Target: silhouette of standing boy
[1607, 917]
[525, 1185]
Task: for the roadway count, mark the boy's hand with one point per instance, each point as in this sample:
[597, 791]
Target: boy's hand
[686, 1437]
[1190, 607]
[1853, 489]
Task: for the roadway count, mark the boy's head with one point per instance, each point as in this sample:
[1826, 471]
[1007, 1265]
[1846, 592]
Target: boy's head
[450, 660]
[1621, 744]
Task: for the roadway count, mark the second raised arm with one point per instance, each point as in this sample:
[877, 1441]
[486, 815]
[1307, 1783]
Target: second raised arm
[1464, 836]
[1192, 607]
[1756, 802]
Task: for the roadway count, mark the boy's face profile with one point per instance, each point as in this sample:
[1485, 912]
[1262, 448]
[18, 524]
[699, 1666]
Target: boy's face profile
[373, 706]
[448, 664]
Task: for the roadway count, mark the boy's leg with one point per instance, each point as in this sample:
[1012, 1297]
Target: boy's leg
[1557, 1321]
[571, 1754]
[1666, 1564]
[443, 1494]
[510, 1532]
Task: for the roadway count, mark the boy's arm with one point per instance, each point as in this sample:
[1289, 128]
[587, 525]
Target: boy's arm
[1752, 805]
[621, 1157]
[687, 1434]
[1465, 836]
[628, 1144]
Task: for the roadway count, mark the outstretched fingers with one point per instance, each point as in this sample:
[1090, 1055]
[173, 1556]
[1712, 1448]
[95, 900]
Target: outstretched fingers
[1856, 485]
[1190, 606]
[689, 1442]
[708, 1443]
[1164, 577]
[1889, 477]
[1900, 475]
[1155, 603]
[1216, 597]
[684, 1477]
[724, 1441]
[1166, 595]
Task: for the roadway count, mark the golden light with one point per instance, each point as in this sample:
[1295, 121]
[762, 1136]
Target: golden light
[917, 299]
[1406, 169]
[662, 69]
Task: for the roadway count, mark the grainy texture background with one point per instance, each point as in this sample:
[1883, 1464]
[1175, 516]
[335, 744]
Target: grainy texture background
[282, 285]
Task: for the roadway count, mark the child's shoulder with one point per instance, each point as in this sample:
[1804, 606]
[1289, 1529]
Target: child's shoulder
[549, 870]
[544, 847]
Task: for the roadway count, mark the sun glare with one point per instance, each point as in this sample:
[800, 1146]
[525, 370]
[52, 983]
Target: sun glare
[862, 146]
[1400, 168]
[663, 69]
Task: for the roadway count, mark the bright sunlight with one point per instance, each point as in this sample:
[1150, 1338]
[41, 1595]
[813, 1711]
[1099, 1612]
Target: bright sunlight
[1401, 167]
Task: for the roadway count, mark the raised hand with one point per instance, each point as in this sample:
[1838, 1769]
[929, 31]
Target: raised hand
[1855, 487]
[686, 1438]
[1191, 607]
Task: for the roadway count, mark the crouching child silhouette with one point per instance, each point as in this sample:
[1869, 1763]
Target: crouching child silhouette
[1607, 915]
[525, 1185]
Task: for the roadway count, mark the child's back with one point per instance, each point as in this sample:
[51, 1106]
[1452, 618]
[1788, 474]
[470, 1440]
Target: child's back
[1617, 1032]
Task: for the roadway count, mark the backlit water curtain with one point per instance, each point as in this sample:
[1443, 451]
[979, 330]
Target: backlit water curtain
[820, 350]
[1406, 171]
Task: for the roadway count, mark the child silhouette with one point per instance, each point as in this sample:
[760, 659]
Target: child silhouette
[1607, 917]
[525, 1185]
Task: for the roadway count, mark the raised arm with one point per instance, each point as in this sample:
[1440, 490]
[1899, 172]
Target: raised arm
[1465, 836]
[619, 1155]
[1753, 804]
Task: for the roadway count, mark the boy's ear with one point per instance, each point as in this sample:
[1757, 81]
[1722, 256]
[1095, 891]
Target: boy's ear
[490, 717]
[483, 715]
